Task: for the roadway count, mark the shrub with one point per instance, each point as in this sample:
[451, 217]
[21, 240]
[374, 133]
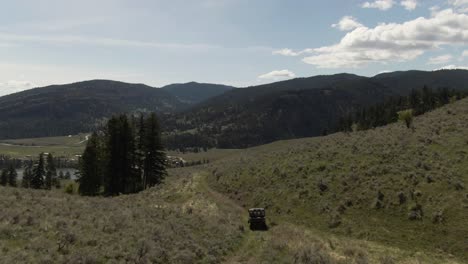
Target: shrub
[334, 220]
[70, 188]
[401, 198]
[438, 217]
[406, 116]
[415, 212]
[312, 254]
[387, 260]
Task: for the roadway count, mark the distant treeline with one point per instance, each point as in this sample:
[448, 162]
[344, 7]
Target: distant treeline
[188, 142]
[418, 101]
[7, 161]
[38, 174]
[127, 156]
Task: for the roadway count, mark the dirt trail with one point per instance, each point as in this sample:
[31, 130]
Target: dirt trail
[252, 241]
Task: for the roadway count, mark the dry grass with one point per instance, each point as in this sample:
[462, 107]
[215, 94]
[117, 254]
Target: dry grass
[398, 187]
[175, 223]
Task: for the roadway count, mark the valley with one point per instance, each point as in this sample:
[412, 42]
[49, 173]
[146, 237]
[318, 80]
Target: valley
[333, 199]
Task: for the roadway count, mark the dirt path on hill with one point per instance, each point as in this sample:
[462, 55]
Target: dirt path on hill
[252, 241]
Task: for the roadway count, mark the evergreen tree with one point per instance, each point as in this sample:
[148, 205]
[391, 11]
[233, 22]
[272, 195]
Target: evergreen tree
[37, 181]
[51, 172]
[12, 176]
[90, 168]
[27, 176]
[121, 172]
[140, 152]
[4, 177]
[155, 158]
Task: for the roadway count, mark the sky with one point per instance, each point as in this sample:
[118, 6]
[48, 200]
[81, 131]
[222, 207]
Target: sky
[234, 42]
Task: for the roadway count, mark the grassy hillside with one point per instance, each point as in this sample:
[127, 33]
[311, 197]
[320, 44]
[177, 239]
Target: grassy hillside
[396, 186]
[182, 221]
[179, 223]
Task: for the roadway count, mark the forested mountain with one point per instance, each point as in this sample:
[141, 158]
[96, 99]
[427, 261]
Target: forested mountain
[207, 115]
[295, 108]
[193, 92]
[77, 107]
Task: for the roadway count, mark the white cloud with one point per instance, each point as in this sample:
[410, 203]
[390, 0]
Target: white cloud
[409, 4]
[347, 23]
[452, 67]
[286, 52]
[443, 59]
[392, 42]
[460, 5]
[465, 53]
[277, 75]
[379, 4]
[98, 41]
[13, 86]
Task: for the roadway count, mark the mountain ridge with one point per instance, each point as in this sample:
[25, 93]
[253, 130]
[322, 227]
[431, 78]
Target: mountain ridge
[264, 112]
[299, 107]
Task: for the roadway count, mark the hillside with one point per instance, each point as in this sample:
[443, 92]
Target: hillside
[343, 198]
[297, 108]
[77, 107]
[193, 93]
[392, 185]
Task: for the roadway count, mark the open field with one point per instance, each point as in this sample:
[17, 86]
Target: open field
[67, 146]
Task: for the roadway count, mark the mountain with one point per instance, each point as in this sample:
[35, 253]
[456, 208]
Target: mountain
[295, 108]
[192, 93]
[402, 81]
[195, 114]
[77, 107]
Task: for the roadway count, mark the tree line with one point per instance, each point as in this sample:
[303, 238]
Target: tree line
[7, 161]
[40, 174]
[416, 103]
[126, 156]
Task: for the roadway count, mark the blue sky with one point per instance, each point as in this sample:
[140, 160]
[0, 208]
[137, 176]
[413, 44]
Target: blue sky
[236, 42]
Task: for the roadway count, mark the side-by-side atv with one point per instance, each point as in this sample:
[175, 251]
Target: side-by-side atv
[257, 219]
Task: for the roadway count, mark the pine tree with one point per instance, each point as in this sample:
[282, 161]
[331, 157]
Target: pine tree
[90, 168]
[27, 176]
[37, 181]
[140, 152]
[51, 172]
[155, 158]
[12, 176]
[121, 171]
[111, 182]
[4, 177]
